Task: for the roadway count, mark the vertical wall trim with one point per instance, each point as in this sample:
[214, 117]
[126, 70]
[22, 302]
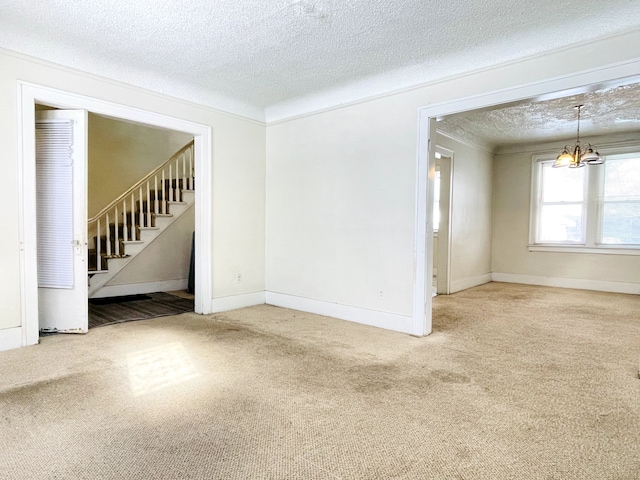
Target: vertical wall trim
[203, 156]
[423, 239]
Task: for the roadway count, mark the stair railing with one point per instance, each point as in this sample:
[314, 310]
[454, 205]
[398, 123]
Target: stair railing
[119, 221]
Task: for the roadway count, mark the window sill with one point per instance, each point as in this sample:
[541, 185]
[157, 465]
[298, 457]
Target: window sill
[606, 250]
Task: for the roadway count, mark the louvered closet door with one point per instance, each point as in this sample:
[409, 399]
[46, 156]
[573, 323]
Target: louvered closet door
[61, 157]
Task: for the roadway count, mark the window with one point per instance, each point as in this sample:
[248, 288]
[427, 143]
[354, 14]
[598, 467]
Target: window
[596, 207]
[621, 201]
[562, 205]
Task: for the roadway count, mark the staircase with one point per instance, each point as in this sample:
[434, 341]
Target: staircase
[126, 226]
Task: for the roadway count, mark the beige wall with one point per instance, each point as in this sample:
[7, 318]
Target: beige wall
[471, 214]
[121, 153]
[237, 187]
[512, 193]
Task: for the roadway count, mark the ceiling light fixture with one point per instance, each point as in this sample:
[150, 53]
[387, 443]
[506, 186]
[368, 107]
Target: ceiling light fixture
[578, 158]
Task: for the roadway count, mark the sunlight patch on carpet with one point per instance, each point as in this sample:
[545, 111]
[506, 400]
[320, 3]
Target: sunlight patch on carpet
[160, 367]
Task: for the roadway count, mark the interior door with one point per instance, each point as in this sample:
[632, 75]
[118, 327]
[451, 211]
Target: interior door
[61, 203]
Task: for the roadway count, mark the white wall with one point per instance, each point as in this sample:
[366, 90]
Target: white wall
[512, 260]
[340, 219]
[121, 153]
[471, 214]
[238, 177]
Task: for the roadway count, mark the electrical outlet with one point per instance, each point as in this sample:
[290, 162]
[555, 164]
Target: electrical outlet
[238, 277]
[380, 294]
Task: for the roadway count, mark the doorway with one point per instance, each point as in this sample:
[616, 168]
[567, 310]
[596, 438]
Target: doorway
[427, 126]
[30, 95]
[102, 157]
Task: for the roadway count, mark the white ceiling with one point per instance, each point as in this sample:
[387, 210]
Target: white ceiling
[605, 111]
[249, 56]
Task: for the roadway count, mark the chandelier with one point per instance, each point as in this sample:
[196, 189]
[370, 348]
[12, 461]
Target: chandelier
[575, 157]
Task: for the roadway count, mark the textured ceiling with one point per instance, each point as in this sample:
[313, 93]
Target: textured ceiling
[607, 111]
[246, 55]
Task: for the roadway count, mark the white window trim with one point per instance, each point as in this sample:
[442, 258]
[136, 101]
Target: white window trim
[600, 250]
[592, 226]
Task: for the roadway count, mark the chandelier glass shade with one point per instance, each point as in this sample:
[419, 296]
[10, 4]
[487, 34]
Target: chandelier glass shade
[576, 157]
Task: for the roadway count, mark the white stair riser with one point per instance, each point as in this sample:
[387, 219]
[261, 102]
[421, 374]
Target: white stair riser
[148, 233]
[163, 222]
[133, 248]
[117, 262]
[178, 208]
[188, 196]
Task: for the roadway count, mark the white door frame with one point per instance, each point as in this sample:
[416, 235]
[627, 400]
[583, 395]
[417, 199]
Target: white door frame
[28, 95]
[423, 235]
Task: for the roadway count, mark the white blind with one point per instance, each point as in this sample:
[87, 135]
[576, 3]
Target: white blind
[54, 202]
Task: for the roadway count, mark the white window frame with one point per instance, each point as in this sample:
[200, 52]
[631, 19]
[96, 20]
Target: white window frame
[594, 205]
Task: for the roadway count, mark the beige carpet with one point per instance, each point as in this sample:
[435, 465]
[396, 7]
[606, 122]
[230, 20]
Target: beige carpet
[517, 382]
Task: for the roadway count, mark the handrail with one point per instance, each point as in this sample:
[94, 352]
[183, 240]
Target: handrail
[140, 183]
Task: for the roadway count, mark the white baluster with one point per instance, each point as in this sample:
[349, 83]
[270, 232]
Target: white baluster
[108, 237]
[140, 217]
[172, 196]
[116, 234]
[164, 195]
[125, 229]
[133, 218]
[98, 259]
[155, 199]
[148, 206]
[190, 168]
[184, 172]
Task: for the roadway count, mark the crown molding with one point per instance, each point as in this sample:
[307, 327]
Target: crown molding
[412, 78]
[181, 93]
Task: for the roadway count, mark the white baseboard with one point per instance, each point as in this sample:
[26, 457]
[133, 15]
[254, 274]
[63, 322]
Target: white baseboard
[141, 288]
[374, 318]
[465, 283]
[10, 338]
[579, 283]
[232, 302]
